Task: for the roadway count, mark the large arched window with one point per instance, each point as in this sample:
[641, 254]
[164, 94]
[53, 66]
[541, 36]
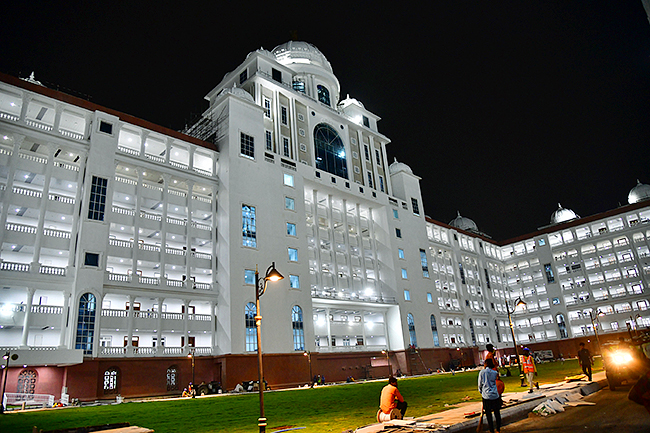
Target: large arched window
[111, 377]
[561, 324]
[251, 330]
[298, 328]
[86, 323]
[323, 95]
[330, 151]
[411, 324]
[26, 382]
[172, 378]
[472, 333]
[434, 331]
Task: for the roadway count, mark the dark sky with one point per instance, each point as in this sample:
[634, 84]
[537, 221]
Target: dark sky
[503, 108]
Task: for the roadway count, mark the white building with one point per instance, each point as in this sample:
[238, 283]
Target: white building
[123, 241]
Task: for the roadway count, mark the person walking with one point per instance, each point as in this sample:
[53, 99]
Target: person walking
[492, 352]
[530, 370]
[584, 359]
[391, 398]
[487, 386]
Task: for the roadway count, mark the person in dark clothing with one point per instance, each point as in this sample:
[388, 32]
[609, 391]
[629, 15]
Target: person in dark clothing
[584, 358]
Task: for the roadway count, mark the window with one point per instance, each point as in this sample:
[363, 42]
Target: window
[462, 273]
[549, 273]
[398, 232]
[416, 207]
[561, 324]
[407, 295]
[429, 298]
[91, 259]
[267, 108]
[299, 86]
[370, 179]
[249, 276]
[26, 382]
[471, 332]
[323, 94]
[330, 151]
[366, 121]
[289, 203]
[249, 230]
[400, 253]
[294, 281]
[496, 328]
[243, 76]
[381, 183]
[247, 146]
[288, 179]
[110, 381]
[105, 127]
[395, 214]
[425, 265]
[283, 115]
[293, 254]
[285, 147]
[251, 331]
[268, 137]
[291, 229]
[86, 323]
[276, 75]
[97, 203]
[172, 378]
[411, 326]
[434, 331]
[298, 328]
[404, 274]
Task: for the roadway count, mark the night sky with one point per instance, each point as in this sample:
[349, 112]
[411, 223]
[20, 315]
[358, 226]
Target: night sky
[503, 108]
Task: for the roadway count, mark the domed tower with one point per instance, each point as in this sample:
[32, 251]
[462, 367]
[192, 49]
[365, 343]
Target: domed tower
[639, 193]
[562, 215]
[463, 223]
[313, 72]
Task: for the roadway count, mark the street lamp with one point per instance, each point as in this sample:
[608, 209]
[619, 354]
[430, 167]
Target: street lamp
[307, 353]
[191, 355]
[594, 323]
[518, 303]
[7, 356]
[272, 274]
[390, 367]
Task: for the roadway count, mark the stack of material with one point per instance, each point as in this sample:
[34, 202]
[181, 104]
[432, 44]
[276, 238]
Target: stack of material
[557, 403]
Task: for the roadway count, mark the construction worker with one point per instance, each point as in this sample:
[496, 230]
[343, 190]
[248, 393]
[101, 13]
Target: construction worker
[530, 370]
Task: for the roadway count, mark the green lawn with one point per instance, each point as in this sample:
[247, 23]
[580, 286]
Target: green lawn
[322, 409]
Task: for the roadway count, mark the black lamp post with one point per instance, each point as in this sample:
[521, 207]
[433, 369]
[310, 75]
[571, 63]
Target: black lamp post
[307, 353]
[272, 274]
[390, 367]
[518, 302]
[594, 323]
[7, 356]
[191, 355]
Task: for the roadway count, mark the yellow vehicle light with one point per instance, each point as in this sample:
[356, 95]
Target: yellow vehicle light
[622, 357]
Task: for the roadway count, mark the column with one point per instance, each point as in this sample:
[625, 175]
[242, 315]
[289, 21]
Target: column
[58, 109]
[332, 235]
[76, 215]
[362, 250]
[23, 110]
[35, 265]
[329, 329]
[159, 347]
[64, 319]
[136, 227]
[213, 331]
[186, 326]
[188, 235]
[373, 246]
[190, 163]
[9, 189]
[163, 230]
[143, 142]
[131, 319]
[168, 150]
[28, 316]
[317, 256]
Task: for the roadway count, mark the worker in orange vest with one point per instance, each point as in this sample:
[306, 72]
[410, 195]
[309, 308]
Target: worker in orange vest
[529, 369]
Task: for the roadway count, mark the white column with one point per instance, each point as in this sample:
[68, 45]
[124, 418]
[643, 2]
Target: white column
[35, 265]
[136, 227]
[76, 215]
[9, 189]
[28, 316]
[159, 348]
[143, 142]
[188, 236]
[186, 336]
[163, 230]
[64, 319]
[131, 319]
[58, 109]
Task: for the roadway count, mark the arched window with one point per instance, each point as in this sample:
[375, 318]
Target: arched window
[172, 378]
[323, 95]
[434, 331]
[298, 328]
[330, 151]
[496, 327]
[471, 331]
[411, 325]
[111, 381]
[561, 324]
[86, 323]
[251, 330]
[26, 382]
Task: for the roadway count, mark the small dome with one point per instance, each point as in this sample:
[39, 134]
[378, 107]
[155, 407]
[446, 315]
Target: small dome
[563, 215]
[460, 222]
[300, 52]
[240, 93]
[639, 193]
[396, 167]
[350, 101]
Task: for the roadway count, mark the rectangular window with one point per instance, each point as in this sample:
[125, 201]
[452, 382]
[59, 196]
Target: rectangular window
[267, 108]
[289, 203]
[462, 273]
[400, 253]
[370, 179]
[407, 295]
[381, 183]
[243, 76]
[288, 179]
[291, 229]
[398, 233]
[366, 121]
[268, 136]
[249, 231]
[366, 152]
[549, 273]
[97, 202]
[91, 259]
[247, 146]
[395, 214]
[425, 265]
[293, 254]
[105, 127]
[285, 147]
[377, 157]
[429, 298]
[404, 274]
[249, 277]
[416, 206]
[294, 281]
[283, 116]
[276, 75]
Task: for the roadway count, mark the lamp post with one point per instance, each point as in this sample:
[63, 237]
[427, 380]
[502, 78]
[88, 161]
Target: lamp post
[390, 367]
[272, 274]
[518, 302]
[7, 356]
[191, 355]
[594, 323]
[307, 353]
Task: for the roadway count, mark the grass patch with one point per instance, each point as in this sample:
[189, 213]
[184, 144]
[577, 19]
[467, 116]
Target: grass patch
[324, 409]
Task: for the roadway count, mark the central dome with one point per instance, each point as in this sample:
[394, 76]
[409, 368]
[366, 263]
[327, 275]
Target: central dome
[639, 193]
[563, 215]
[299, 52]
[463, 223]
